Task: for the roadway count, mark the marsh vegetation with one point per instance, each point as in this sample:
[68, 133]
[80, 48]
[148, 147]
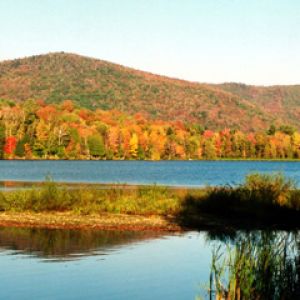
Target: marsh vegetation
[256, 265]
[260, 200]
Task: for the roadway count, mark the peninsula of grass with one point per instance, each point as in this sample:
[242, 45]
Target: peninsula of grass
[263, 200]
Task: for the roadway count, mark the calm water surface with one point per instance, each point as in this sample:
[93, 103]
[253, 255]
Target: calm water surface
[69, 264]
[171, 173]
[64, 264]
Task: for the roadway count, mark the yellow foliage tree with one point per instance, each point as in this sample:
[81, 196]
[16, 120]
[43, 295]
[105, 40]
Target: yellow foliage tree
[133, 144]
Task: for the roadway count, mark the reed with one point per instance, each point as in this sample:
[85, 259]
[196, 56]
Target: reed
[256, 265]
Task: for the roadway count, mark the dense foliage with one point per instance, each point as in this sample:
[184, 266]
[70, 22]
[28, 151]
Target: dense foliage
[96, 84]
[35, 130]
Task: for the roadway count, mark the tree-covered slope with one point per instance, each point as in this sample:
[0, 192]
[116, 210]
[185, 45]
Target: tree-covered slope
[93, 83]
[282, 101]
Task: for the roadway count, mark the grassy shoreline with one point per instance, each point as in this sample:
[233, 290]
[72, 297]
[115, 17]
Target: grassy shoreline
[261, 201]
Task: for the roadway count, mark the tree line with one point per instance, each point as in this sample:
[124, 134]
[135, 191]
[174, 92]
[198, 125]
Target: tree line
[36, 130]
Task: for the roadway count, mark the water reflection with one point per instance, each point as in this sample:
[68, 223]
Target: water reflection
[67, 244]
[232, 265]
[255, 265]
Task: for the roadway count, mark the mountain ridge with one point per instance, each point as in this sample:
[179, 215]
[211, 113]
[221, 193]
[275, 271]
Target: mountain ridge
[94, 83]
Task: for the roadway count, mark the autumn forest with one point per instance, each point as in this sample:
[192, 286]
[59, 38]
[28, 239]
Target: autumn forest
[67, 106]
[36, 130]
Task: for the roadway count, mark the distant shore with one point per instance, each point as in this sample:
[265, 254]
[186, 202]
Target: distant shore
[151, 160]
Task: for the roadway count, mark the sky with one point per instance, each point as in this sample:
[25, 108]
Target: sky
[254, 42]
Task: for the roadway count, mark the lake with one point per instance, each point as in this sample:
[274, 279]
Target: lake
[89, 264]
[170, 173]
[70, 264]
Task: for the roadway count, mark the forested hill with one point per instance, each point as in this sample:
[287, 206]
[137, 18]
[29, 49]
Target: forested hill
[282, 101]
[93, 84]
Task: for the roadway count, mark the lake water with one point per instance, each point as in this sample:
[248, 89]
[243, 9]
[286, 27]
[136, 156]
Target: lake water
[171, 173]
[74, 264]
[70, 264]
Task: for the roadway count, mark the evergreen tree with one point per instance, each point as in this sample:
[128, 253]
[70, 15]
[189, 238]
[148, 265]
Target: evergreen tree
[20, 148]
[271, 130]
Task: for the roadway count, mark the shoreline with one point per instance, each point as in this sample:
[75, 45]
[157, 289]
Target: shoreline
[263, 201]
[154, 160]
[69, 220]
[11, 185]
[125, 222]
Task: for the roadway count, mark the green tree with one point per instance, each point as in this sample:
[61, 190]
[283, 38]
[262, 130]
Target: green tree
[209, 149]
[38, 149]
[287, 129]
[96, 146]
[271, 130]
[20, 149]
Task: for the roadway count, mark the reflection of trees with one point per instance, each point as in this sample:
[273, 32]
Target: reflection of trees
[256, 265]
[56, 243]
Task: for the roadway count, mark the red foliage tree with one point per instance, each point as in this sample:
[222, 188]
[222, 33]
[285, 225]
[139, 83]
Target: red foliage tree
[208, 134]
[47, 113]
[10, 145]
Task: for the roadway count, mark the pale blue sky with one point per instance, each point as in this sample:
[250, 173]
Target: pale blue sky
[250, 41]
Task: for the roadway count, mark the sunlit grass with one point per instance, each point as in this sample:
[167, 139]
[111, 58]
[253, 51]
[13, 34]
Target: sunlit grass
[261, 197]
[146, 200]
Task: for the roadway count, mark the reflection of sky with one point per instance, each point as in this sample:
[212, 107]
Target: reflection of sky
[169, 268]
[174, 173]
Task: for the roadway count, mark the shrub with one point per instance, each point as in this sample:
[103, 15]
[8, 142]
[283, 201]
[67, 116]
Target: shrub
[269, 189]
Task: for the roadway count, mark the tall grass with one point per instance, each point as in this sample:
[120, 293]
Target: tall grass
[262, 196]
[148, 200]
[259, 196]
[257, 265]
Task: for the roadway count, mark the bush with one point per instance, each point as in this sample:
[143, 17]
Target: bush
[270, 189]
[266, 197]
